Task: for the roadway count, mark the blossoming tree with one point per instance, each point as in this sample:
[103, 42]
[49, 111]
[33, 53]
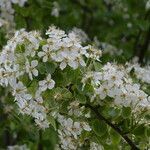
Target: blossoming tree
[61, 81]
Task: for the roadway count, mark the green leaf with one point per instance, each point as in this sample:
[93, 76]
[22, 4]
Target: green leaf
[52, 122]
[97, 66]
[63, 109]
[25, 79]
[58, 94]
[88, 90]
[110, 112]
[140, 131]
[50, 67]
[81, 98]
[66, 93]
[24, 12]
[115, 137]
[33, 87]
[99, 127]
[126, 112]
[41, 68]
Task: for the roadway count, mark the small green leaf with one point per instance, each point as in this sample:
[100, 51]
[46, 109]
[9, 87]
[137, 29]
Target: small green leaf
[52, 122]
[81, 98]
[115, 137]
[99, 127]
[140, 131]
[41, 68]
[66, 93]
[97, 66]
[33, 87]
[50, 67]
[126, 112]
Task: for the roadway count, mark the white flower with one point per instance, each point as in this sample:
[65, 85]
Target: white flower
[95, 146]
[19, 88]
[19, 2]
[55, 9]
[42, 123]
[38, 96]
[48, 83]
[46, 53]
[18, 147]
[70, 131]
[80, 34]
[30, 68]
[147, 5]
[21, 95]
[142, 73]
[86, 126]
[63, 65]
[55, 33]
[93, 53]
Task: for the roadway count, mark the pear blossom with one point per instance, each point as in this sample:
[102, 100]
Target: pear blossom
[147, 5]
[19, 147]
[142, 73]
[38, 96]
[48, 83]
[30, 68]
[70, 131]
[7, 13]
[114, 82]
[55, 9]
[80, 34]
[95, 146]
[46, 53]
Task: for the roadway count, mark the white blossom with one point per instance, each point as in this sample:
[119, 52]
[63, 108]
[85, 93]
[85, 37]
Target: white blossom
[30, 68]
[55, 9]
[48, 83]
[147, 5]
[18, 147]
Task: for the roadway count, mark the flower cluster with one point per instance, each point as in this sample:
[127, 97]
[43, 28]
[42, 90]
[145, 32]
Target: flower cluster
[114, 82]
[15, 64]
[70, 132]
[65, 49]
[95, 146]
[20, 60]
[7, 11]
[142, 73]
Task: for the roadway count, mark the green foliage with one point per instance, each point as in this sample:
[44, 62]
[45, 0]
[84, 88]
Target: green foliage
[99, 127]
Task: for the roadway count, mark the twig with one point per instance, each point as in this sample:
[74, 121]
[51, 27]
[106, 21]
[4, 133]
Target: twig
[139, 49]
[144, 47]
[118, 130]
[40, 146]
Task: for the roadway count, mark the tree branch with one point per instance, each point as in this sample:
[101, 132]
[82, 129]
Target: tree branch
[40, 146]
[144, 47]
[140, 49]
[118, 130]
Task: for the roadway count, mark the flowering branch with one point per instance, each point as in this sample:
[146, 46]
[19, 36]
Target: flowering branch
[125, 137]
